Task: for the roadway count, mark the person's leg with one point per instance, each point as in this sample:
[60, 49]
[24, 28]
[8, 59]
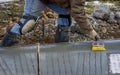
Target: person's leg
[63, 21]
[32, 9]
[63, 28]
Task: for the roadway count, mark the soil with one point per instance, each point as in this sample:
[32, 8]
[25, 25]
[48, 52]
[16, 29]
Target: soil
[45, 31]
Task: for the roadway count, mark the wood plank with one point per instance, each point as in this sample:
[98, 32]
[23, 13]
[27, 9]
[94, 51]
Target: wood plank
[86, 64]
[80, 64]
[92, 63]
[98, 63]
[61, 64]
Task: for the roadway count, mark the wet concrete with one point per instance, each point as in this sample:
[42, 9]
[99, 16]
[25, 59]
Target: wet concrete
[58, 59]
[110, 45]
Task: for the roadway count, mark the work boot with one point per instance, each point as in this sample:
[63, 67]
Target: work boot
[62, 34]
[9, 39]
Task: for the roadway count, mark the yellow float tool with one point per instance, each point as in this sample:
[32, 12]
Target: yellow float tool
[98, 46]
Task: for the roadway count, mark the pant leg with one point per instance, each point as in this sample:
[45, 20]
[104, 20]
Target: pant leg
[61, 11]
[31, 7]
[63, 23]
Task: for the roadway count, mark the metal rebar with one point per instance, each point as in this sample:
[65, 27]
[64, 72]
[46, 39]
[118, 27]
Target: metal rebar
[43, 29]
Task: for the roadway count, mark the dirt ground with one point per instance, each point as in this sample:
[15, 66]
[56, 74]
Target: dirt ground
[45, 31]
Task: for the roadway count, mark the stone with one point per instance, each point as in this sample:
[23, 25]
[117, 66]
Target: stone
[104, 30]
[112, 16]
[100, 10]
[118, 22]
[93, 21]
[117, 15]
[2, 31]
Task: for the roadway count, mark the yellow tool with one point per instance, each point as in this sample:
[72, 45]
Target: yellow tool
[98, 46]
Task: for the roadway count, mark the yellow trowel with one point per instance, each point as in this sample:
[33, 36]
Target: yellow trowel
[98, 46]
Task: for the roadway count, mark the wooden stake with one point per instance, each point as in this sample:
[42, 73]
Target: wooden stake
[38, 58]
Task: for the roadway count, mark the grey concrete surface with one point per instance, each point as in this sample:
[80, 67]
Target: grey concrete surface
[58, 59]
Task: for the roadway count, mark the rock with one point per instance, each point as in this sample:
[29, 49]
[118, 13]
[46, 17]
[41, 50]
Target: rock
[111, 21]
[93, 21]
[51, 15]
[118, 22]
[73, 22]
[118, 31]
[112, 16]
[106, 17]
[104, 30]
[103, 23]
[100, 11]
[3, 5]
[117, 15]
[17, 5]
[2, 31]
